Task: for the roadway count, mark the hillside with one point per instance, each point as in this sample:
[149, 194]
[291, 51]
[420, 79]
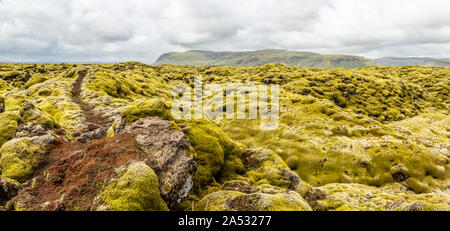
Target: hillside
[290, 58]
[103, 137]
[258, 58]
[390, 61]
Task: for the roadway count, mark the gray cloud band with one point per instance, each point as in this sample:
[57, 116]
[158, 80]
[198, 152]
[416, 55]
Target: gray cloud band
[112, 30]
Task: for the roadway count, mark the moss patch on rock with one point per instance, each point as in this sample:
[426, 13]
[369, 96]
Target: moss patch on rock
[147, 108]
[268, 199]
[8, 124]
[213, 149]
[136, 189]
[21, 157]
[392, 197]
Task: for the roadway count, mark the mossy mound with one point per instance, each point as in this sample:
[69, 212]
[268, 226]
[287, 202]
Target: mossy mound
[214, 152]
[21, 157]
[31, 114]
[392, 197]
[266, 167]
[8, 124]
[136, 189]
[373, 126]
[267, 199]
[148, 108]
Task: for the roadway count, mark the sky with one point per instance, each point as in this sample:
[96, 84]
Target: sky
[87, 31]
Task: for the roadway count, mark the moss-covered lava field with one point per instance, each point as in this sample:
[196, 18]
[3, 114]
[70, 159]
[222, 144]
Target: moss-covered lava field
[102, 137]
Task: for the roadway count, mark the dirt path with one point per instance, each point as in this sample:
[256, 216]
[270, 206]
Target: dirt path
[88, 111]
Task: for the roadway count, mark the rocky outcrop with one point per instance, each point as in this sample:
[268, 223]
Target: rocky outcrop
[123, 172]
[8, 190]
[168, 154]
[95, 134]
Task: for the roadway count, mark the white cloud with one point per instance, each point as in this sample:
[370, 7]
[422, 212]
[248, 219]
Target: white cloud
[113, 30]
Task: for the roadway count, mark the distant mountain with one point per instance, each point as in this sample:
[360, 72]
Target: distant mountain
[392, 61]
[438, 63]
[258, 58]
[291, 58]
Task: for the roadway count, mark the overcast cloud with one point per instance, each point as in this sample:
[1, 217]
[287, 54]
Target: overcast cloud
[141, 30]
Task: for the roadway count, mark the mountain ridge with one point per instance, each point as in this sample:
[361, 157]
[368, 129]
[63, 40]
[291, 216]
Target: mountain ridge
[290, 58]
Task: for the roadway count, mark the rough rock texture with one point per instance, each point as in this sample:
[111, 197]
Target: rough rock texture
[91, 176]
[30, 130]
[8, 190]
[168, 155]
[92, 135]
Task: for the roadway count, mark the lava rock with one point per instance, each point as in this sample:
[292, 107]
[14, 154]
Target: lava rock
[8, 190]
[168, 155]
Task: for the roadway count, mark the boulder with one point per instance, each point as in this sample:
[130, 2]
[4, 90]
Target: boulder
[21, 156]
[92, 135]
[135, 188]
[147, 166]
[8, 190]
[168, 154]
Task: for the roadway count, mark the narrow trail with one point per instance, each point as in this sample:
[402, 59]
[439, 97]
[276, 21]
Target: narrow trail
[89, 114]
[63, 148]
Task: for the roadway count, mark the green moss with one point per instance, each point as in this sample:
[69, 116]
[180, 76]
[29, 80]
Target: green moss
[35, 79]
[20, 158]
[372, 125]
[136, 189]
[212, 148]
[417, 186]
[216, 201]
[357, 197]
[8, 124]
[4, 85]
[66, 113]
[148, 108]
[13, 102]
[266, 167]
[237, 201]
[40, 117]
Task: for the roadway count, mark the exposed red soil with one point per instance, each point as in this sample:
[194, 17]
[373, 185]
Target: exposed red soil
[73, 173]
[79, 173]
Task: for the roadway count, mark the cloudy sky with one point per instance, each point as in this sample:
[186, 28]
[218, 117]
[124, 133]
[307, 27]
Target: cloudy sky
[141, 30]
